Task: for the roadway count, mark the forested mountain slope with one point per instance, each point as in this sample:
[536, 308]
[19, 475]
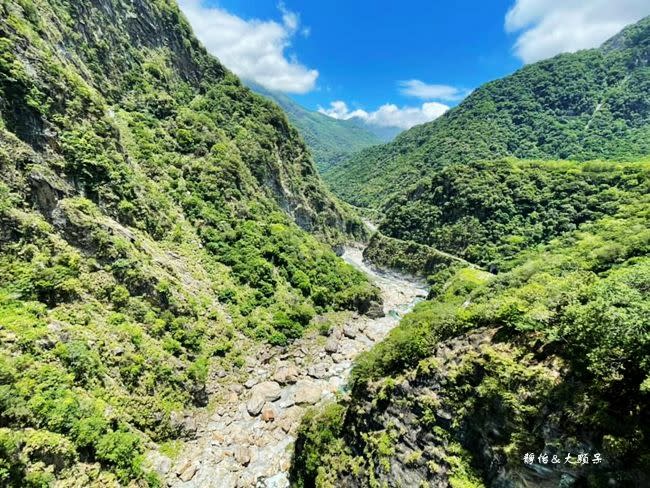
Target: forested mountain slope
[593, 104]
[486, 212]
[549, 358]
[535, 369]
[330, 140]
[152, 209]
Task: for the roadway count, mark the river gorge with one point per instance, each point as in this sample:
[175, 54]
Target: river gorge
[246, 439]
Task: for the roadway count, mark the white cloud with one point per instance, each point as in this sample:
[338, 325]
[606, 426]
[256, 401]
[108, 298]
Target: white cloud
[549, 27]
[419, 89]
[388, 115]
[254, 49]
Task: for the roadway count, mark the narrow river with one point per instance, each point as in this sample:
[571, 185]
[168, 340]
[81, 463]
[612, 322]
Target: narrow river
[246, 439]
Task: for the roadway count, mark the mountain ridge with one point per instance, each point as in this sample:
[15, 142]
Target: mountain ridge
[153, 220]
[537, 372]
[575, 124]
[331, 140]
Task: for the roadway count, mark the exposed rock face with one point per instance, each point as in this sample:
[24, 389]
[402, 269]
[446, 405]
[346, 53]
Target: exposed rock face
[428, 438]
[47, 189]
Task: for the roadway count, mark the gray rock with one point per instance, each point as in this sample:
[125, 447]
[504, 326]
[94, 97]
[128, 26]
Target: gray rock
[267, 391]
[349, 331]
[187, 471]
[160, 463]
[185, 425]
[337, 358]
[237, 388]
[255, 405]
[375, 310]
[242, 455]
[373, 335]
[279, 480]
[332, 345]
[291, 419]
[286, 375]
[318, 371]
[307, 392]
[47, 189]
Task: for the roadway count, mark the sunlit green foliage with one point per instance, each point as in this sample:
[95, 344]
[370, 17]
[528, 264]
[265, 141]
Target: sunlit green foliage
[571, 348]
[487, 212]
[589, 105]
[152, 216]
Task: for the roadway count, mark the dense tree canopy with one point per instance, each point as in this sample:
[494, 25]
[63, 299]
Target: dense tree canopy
[153, 215]
[593, 104]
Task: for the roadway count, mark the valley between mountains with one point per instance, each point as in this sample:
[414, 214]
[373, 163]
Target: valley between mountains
[246, 438]
[190, 295]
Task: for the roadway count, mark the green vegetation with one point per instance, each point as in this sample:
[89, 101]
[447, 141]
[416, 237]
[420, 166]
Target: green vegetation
[590, 105]
[408, 256]
[330, 140]
[487, 212]
[549, 351]
[571, 351]
[152, 214]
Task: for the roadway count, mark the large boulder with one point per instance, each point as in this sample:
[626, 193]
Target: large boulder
[332, 345]
[349, 331]
[286, 374]
[375, 310]
[307, 393]
[184, 425]
[267, 391]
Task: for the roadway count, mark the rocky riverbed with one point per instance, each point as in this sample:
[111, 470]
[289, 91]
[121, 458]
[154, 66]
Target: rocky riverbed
[247, 439]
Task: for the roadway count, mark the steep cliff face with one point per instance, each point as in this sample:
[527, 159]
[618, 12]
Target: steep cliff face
[152, 210]
[65, 61]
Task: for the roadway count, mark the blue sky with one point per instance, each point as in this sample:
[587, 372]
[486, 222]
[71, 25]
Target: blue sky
[396, 62]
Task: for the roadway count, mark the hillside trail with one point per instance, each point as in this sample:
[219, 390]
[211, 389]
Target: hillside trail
[246, 440]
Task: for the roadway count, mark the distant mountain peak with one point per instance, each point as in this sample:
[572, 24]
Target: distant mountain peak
[331, 140]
